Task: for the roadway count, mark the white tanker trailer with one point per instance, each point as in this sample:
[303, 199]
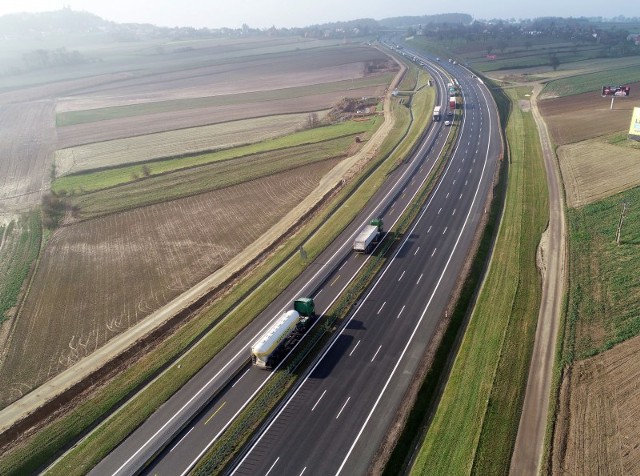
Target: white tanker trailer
[269, 349]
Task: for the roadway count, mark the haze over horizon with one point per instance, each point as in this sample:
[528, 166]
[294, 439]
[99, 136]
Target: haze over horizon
[293, 13]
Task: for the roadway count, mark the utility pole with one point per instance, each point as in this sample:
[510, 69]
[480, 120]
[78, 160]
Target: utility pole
[622, 212]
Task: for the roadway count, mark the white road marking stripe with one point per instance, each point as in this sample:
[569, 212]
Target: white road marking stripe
[245, 373]
[400, 313]
[381, 307]
[316, 404]
[274, 463]
[354, 348]
[374, 355]
[345, 404]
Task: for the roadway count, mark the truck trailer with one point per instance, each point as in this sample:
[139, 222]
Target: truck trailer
[437, 114]
[368, 237]
[452, 102]
[274, 344]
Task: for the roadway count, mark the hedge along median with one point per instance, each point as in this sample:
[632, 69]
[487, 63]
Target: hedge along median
[35, 451]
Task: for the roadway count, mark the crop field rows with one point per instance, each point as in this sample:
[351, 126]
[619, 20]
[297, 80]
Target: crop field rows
[603, 417]
[585, 116]
[595, 169]
[19, 247]
[173, 143]
[99, 277]
[134, 126]
[27, 139]
[102, 179]
[209, 177]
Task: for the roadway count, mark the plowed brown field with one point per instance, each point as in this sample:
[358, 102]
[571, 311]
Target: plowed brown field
[100, 277]
[602, 424]
[79, 134]
[27, 142]
[584, 116]
[595, 169]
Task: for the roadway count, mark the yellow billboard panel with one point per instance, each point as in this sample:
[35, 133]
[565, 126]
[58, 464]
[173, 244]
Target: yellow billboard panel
[634, 128]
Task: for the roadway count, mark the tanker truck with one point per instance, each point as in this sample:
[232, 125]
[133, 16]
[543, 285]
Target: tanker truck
[279, 339]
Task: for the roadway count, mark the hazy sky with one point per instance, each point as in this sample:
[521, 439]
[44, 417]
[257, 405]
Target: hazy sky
[287, 13]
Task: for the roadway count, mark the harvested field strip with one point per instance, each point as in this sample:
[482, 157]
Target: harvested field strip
[590, 82]
[117, 153]
[604, 426]
[475, 424]
[100, 277]
[604, 286]
[115, 112]
[209, 177]
[90, 182]
[595, 169]
[19, 248]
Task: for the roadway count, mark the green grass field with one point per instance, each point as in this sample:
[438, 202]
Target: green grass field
[604, 288]
[20, 245]
[116, 112]
[474, 427]
[591, 82]
[80, 184]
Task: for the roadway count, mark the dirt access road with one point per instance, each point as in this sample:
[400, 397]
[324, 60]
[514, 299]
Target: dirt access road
[552, 259]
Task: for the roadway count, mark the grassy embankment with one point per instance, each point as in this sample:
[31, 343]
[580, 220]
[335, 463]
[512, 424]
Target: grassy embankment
[474, 427]
[19, 247]
[118, 112]
[227, 317]
[84, 183]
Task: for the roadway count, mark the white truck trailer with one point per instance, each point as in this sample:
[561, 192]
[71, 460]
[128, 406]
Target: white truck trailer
[271, 347]
[368, 237]
[437, 113]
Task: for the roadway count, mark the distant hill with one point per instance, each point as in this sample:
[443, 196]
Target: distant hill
[18, 25]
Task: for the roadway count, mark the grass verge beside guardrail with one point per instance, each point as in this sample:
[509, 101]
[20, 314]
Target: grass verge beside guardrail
[474, 427]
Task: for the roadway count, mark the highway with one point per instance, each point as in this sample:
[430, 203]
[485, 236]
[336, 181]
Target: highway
[340, 414]
[180, 431]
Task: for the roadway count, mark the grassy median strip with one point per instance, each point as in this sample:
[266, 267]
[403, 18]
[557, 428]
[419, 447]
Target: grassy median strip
[35, 451]
[474, 427]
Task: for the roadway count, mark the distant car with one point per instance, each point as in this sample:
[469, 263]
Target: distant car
[450, 113]
[447, 123]
[437, 59]
[455, 62]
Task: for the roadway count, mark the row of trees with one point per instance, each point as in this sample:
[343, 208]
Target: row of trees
[40, 59]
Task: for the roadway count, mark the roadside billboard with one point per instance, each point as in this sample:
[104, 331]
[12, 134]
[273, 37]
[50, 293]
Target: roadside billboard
[634, 127]
[619, 91]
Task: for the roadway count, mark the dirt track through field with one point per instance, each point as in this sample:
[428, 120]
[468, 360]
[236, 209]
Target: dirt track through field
[528, 450]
